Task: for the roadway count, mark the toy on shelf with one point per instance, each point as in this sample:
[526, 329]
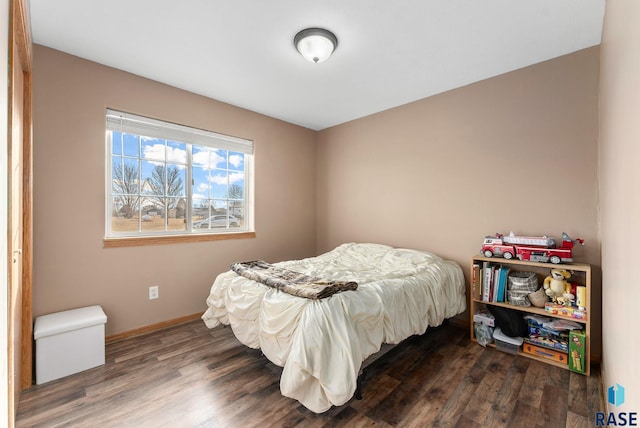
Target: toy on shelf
[558, 288]
[577, 340]
[530, 248]
[566, 311]
[581, 296]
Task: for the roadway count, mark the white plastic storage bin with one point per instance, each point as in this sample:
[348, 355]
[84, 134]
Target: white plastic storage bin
[504, 343]
[69, 342]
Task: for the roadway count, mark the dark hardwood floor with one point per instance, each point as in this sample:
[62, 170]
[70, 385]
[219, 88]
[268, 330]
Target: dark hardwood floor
[190, 376]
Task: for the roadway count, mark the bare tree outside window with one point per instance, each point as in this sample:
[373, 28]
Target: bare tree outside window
[165, 184]
[235, 195]
[125, 188]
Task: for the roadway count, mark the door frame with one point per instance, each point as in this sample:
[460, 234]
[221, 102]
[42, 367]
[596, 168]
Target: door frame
[24, 47]
[20, 54]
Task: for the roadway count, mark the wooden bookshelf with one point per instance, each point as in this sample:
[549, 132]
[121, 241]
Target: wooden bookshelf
[580, 274]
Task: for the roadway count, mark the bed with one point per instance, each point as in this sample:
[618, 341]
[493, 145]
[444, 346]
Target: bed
[322, 343]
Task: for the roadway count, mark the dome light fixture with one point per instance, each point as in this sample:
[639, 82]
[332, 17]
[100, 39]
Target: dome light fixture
[315, 44]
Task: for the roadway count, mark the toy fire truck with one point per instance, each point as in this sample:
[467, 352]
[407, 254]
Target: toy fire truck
[531, 248]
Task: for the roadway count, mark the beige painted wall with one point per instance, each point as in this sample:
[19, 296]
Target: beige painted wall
[620, 200]
[71, 267]
[515, 152]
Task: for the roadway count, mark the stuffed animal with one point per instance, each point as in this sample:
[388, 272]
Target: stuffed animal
[557, 287]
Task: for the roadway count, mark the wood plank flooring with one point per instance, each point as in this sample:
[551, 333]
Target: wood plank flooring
[190, 376]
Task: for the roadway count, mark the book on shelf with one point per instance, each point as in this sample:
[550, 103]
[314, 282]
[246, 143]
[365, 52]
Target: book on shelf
[487, 279]
[502, 283]
[495, 283]
[477, 282]
[491, 282]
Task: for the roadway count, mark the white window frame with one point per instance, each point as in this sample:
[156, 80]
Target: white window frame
[143, 126]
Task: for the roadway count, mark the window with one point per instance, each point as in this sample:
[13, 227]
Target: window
[150, 166]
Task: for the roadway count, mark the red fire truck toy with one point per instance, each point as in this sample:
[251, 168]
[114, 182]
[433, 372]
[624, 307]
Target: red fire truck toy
[530, 248]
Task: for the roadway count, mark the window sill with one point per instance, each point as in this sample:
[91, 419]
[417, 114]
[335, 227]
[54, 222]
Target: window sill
[138, 241]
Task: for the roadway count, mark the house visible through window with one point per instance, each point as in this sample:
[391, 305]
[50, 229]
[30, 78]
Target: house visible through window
[168, 179]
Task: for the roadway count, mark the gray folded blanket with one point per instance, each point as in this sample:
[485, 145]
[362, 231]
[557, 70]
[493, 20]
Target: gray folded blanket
[294, 283]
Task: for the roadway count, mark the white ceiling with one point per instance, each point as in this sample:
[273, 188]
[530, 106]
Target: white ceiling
[389, 53]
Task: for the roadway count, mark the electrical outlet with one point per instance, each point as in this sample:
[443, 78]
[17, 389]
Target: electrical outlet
[153, 292]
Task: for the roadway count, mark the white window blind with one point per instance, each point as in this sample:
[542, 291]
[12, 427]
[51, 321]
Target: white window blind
[140, 125]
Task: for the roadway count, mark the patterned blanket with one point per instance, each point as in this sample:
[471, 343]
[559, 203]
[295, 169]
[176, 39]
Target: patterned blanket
[294, 283]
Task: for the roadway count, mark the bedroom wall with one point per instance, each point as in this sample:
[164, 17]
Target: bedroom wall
[71, 267]
[620, 200]
[514, 152]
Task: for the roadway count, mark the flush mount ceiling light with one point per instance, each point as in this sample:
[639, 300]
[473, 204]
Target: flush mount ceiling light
[315, 44]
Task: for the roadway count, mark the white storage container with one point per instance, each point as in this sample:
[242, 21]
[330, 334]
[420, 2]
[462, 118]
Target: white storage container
[504, 343]
[69, 342]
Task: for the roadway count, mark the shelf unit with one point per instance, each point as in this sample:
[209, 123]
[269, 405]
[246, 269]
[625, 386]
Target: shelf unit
[580, 274]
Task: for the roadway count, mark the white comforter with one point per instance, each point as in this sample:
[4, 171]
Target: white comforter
[322, 343]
